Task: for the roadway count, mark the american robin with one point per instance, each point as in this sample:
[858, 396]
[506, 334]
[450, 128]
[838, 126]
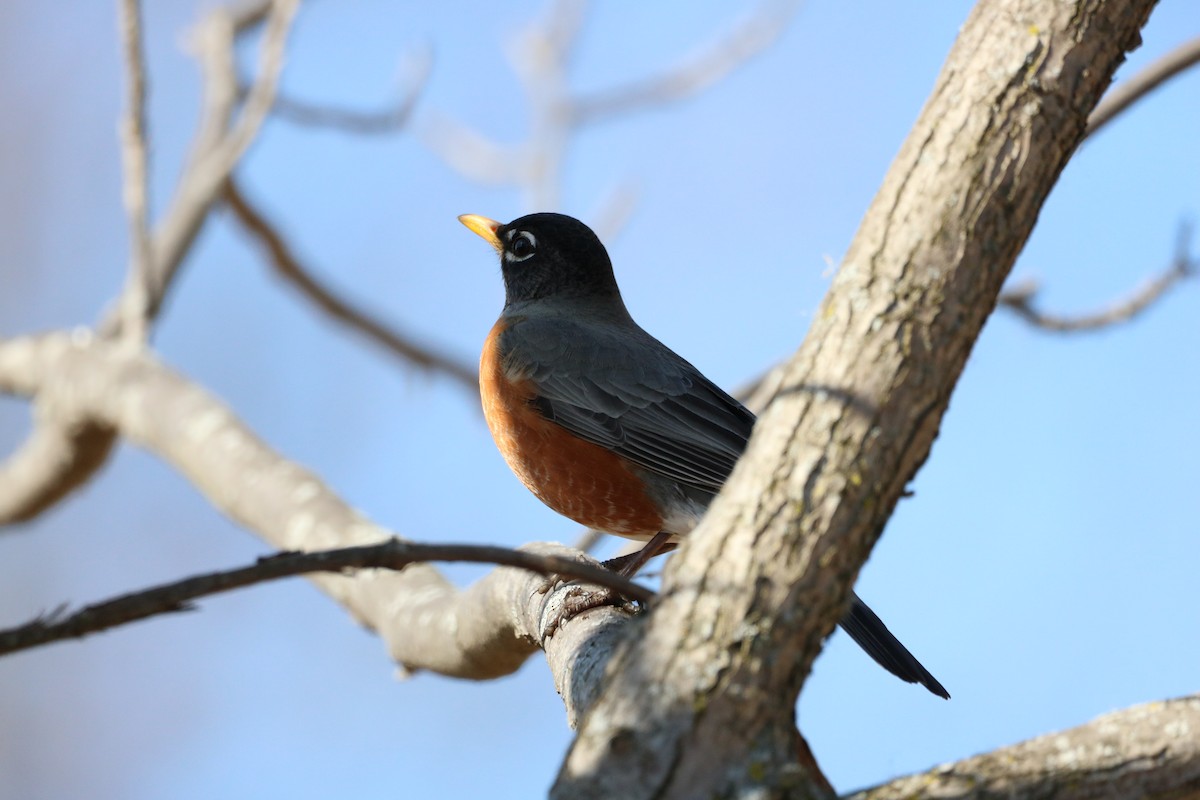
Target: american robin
[603, 422]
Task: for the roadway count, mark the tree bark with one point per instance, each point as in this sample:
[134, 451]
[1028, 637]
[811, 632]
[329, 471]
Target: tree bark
[701, 702]
[1148, 751]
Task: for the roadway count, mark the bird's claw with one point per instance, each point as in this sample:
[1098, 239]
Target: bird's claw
[585, 597]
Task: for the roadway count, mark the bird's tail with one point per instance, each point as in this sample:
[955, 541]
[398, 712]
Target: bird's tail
[873, 636]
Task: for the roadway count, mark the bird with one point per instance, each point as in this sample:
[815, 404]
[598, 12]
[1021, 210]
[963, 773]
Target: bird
[604, 423]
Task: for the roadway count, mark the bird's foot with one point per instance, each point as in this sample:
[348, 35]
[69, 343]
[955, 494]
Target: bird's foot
[579, 598]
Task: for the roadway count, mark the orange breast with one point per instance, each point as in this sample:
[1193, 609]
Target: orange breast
[578, 479]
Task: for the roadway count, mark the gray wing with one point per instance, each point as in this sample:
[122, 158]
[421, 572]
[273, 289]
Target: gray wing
[618, 387]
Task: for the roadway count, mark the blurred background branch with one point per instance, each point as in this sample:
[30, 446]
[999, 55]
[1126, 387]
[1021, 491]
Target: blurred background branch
[287, 265]
[1020, 299]
[541, 57]
[55, 462]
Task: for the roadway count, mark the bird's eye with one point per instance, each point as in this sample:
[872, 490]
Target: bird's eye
[522, 246]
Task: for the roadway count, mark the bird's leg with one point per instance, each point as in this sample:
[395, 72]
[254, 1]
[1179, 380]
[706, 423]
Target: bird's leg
[630, 565]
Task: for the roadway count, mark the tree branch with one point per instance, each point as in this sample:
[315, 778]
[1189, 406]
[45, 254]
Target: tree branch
[1020, 299]
[541, 57]
[134, 157]
[1143, 83]
[221, 140]
[1148, 751]
[55, 459]
[361, 123]
[746, 40]
[484, 631]
[702, 701]
[394, 554]
[62, 454]
[287, 265]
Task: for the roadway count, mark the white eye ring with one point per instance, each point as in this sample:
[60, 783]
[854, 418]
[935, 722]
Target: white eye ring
[522, 240]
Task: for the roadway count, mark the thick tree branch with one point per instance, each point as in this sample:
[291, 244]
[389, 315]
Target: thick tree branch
[702, 703]
[394, 554]
[289, 267]
[1148, 751]
[484, 631]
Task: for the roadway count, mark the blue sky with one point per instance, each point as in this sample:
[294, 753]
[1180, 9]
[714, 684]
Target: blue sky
[1044, 569]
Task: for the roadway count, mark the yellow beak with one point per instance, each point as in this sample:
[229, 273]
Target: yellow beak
[484, 227]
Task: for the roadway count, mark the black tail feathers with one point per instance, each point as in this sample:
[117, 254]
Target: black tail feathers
[873, 636]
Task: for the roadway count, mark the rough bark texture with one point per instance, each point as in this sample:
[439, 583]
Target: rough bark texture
[1150, 751]
[701, 704]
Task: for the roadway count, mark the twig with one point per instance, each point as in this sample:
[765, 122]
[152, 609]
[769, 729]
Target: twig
[749, 38]
[1143, 83]
[362, 123]
[220, 145]
[473, 155]
[289, 267]
[613, 214]
[1020, 300]
[393, 554]
[135, 159]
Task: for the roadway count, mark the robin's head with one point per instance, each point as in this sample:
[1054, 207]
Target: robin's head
[548, 256]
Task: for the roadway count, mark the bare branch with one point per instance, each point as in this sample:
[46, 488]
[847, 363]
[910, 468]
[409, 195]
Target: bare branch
[219, 144]
[134, 156]
[1143, 83]
[613, 214]
[562, 27]
[484, 631]
[362, 123]
[56, 458]
[1020, 299]
[471, 154]
[246, 14]
[393, 554]
[1147, 751]
[541, 57]
[749, 38]
[52, 463]
[288, 266]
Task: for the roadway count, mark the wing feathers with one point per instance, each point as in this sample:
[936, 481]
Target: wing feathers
[625, 391]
